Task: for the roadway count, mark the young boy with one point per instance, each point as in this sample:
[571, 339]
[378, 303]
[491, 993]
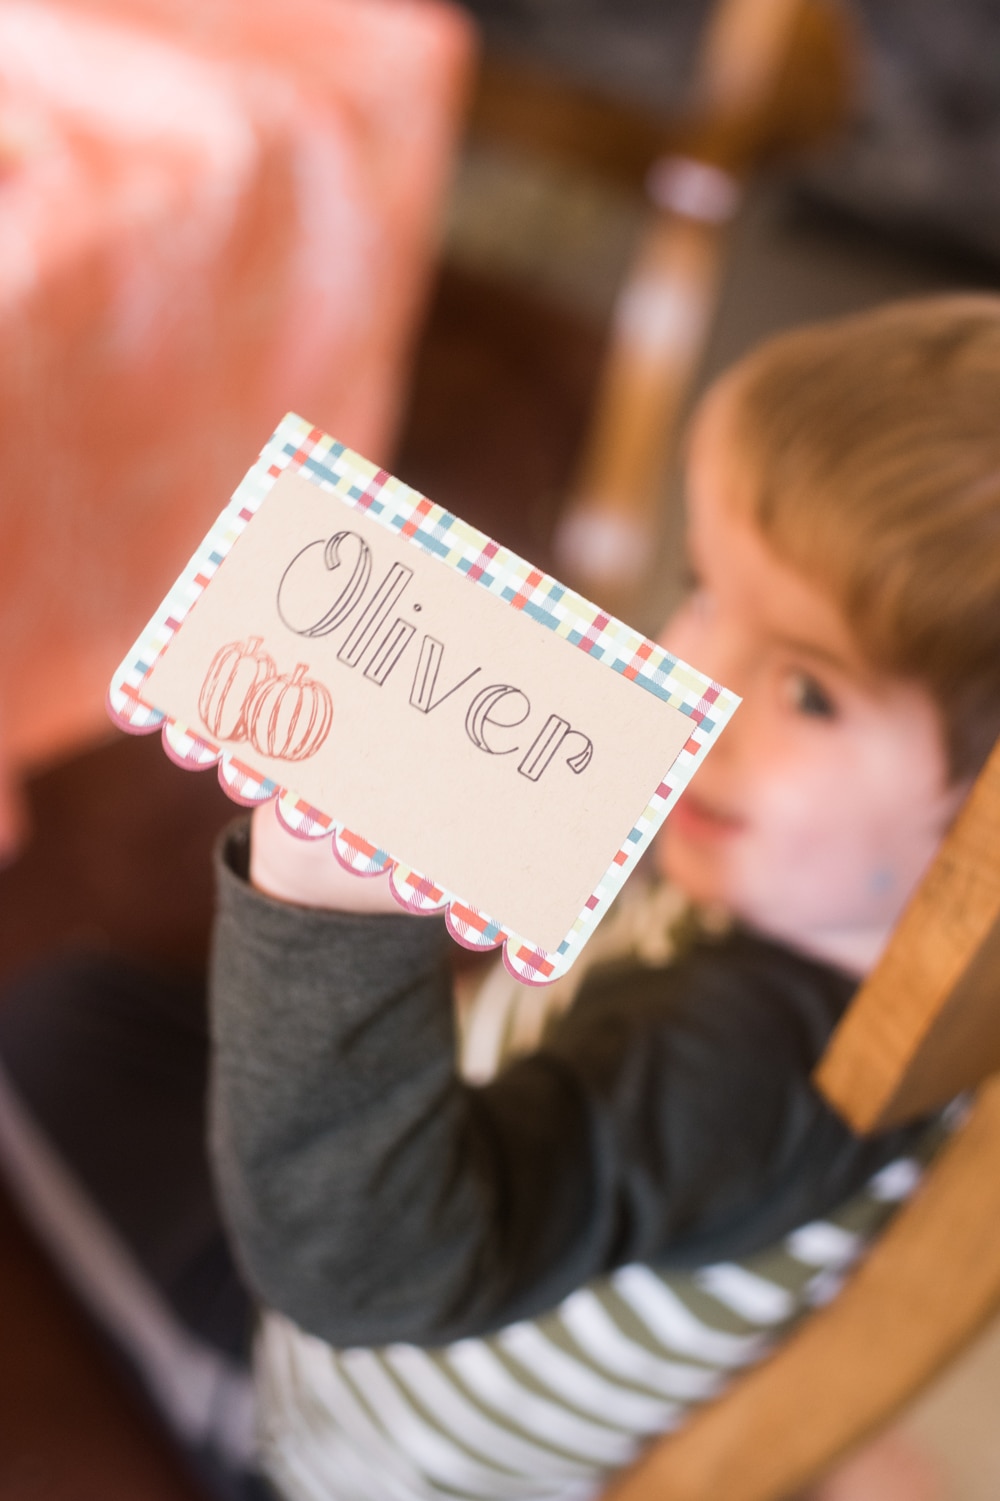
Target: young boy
[501, 1289]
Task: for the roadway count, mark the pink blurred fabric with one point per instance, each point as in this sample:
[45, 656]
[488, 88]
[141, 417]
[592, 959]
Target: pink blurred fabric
[214, 211]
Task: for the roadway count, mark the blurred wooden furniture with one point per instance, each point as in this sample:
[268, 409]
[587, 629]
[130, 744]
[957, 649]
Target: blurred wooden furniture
[773, 77]
[214, 211]
[924, 1026]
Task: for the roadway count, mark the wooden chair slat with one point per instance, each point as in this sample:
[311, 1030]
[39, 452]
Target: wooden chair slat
[924, 1289]
[772, 76]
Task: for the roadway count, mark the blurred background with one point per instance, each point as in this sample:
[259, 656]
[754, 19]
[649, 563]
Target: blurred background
[499, 248]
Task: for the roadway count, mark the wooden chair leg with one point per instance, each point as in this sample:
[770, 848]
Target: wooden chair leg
[748, 104]
[659, 327]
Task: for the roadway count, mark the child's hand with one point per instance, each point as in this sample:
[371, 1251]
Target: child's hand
[306, 871]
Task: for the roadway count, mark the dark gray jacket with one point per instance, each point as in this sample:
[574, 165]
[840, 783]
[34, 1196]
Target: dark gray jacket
[374, 1196]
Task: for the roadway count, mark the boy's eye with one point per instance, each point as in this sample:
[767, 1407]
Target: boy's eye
[697, 599]
[806, 696]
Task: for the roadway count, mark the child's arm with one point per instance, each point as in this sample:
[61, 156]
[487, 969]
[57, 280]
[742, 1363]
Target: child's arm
[362, 1183]
[374, 1196]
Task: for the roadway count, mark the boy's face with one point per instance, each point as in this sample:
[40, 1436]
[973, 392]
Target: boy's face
[819, 808]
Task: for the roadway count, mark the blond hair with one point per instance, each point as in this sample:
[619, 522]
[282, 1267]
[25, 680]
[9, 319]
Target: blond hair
[874, 442]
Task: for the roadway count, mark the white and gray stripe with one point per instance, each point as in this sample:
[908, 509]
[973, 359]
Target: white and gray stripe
[544, 1410]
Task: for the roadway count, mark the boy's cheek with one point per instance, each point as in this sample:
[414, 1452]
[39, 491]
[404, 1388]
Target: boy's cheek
[688, 869]
[785, 847]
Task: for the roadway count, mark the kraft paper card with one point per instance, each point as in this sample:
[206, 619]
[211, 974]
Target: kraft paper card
[444, 713]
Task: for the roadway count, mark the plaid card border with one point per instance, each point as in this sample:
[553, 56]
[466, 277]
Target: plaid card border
[299, 447]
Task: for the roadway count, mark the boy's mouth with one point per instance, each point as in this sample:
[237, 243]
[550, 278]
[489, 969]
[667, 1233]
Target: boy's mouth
[694, 818]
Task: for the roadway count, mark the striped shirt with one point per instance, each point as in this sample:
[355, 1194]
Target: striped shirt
[549, 1409]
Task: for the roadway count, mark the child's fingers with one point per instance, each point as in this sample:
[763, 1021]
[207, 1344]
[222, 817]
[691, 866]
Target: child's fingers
[306, 872]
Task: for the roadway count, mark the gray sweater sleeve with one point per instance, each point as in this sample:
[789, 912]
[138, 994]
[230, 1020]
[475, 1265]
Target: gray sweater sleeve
[373, 1196]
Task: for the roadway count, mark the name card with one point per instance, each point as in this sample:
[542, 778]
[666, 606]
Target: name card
[440, 710]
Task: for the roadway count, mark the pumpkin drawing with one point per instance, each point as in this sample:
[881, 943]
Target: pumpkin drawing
[289, 717]
[235, 674]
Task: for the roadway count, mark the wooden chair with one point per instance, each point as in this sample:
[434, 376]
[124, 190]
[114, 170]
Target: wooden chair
[925, 1026]
[773, 76]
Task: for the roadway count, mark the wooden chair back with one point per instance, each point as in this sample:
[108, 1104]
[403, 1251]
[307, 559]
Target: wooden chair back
[773, 76]
[924, 1026]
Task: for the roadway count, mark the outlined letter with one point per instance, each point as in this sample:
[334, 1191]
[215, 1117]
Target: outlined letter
[374, 614]
[482, 714]
[426, 676]
[388, 650]
[350, 584]
[548, 742]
